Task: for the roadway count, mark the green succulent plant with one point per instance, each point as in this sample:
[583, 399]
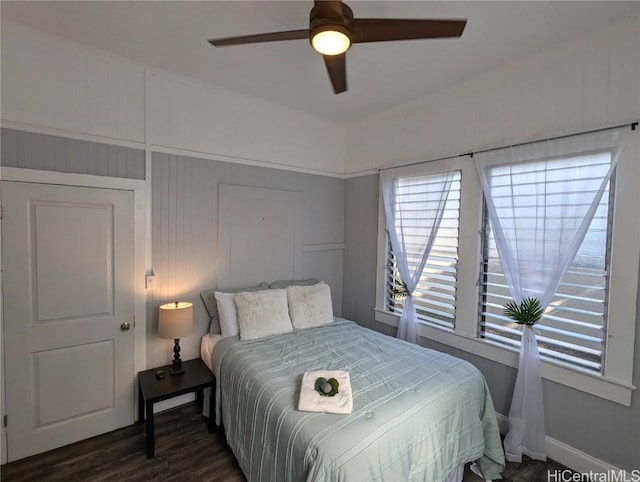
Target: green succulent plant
[527, 312]
[326, 388]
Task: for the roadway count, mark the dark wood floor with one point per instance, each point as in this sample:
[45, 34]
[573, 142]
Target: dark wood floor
[184, 452]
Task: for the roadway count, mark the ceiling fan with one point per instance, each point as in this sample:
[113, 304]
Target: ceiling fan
[332, 30]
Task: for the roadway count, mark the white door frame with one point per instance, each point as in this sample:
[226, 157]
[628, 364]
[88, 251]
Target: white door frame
[140, 247]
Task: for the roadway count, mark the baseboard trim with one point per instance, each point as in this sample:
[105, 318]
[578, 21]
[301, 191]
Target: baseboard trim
[569, 456]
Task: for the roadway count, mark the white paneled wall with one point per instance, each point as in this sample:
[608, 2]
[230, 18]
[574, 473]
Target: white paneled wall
[192, 115]
[587, 83]
[56, 84]
[68, 88]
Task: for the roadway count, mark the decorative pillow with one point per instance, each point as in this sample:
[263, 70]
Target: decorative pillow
[227, 314]
[282, 284]
[263, 313]
[310, 305]
[209, 300]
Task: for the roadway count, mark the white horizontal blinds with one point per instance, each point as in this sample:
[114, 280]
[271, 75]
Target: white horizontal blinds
[435, 294]
[574, 325]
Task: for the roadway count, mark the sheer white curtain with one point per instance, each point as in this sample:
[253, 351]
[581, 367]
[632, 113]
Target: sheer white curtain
[412, 220]
[541, 199]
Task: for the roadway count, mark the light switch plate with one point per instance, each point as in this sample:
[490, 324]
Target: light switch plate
[150, 281]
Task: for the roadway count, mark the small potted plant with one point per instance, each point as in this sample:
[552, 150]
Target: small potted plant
[528, 312]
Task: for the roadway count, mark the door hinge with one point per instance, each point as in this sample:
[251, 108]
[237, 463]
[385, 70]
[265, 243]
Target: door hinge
[4, 421]
[1, 213]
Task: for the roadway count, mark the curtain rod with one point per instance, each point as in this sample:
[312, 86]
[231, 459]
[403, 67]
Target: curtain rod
[633, 126]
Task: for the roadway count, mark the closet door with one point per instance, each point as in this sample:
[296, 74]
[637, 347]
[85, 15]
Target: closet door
[68, 314]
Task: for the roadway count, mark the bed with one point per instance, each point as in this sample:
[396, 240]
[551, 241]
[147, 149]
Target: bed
[418, 414]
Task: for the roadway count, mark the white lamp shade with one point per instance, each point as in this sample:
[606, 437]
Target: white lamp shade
[175, 320]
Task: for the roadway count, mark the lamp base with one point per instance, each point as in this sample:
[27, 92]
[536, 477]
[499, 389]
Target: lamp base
[176, 364]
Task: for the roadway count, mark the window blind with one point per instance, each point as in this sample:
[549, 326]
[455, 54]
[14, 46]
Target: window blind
[573, 327]
[435, 295]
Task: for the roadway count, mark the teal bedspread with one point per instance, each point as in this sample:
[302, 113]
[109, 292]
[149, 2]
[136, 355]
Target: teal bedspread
[417, 413]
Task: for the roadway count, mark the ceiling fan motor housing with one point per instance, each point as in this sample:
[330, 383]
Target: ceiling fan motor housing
[330, 16]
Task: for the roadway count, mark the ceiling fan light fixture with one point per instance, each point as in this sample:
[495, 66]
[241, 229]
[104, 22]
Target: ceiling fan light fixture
[332, 30]
[331, 40]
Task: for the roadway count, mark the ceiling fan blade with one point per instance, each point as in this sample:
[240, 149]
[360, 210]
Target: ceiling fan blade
[384, 30]
[337, 68]
[261, 37]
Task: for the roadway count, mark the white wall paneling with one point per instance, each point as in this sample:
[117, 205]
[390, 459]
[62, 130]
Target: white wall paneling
[584, 84]
[191, 115]
[53, 83]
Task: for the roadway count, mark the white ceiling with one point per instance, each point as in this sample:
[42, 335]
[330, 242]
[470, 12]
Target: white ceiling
[172, 35]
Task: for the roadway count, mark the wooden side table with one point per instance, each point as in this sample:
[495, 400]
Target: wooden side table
[151, 389]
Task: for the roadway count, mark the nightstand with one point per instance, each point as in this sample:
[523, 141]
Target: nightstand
[196, 378]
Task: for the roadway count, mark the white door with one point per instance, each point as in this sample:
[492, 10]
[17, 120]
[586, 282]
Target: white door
[68, 288]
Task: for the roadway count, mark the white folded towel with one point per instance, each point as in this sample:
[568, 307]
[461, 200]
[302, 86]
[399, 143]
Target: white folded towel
[312, 401]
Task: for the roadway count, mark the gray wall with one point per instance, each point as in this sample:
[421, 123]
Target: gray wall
[28, 150]
[598, 427]
[185, 235]
[360, 248]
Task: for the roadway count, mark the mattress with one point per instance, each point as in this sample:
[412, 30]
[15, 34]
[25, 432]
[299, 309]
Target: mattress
[418, 414]
[207, 343]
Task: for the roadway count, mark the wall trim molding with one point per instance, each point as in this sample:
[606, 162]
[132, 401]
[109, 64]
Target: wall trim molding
[241, 160]
[366, 172]
[79, 136]
[312, 248]
[569, 456]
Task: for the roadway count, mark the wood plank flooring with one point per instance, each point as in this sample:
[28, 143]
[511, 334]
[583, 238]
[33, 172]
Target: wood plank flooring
[184, 452]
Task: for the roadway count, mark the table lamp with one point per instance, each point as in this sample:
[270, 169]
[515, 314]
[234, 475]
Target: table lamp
[175, 321]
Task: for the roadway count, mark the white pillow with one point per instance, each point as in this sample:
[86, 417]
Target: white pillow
[227, 313]
[262, 313]
[310, 305]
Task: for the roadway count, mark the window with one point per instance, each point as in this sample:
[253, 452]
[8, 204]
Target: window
[435, 295]
[573, 328]
[587, 338]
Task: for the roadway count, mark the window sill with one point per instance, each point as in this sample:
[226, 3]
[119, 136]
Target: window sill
[599, 385]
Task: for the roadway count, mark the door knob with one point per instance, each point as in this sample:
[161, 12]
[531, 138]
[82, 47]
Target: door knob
[125, 326]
